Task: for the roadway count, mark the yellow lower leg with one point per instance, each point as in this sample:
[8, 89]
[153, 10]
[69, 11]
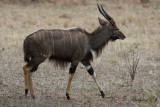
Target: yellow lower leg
[68, 86]
[26, 79]
[99, 88]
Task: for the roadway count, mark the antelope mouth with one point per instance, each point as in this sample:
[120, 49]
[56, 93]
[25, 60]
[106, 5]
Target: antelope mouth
[122, 37]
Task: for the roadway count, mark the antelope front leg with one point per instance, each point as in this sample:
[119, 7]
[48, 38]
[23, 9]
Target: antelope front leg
[71, 74]
[93, 74]
[94, 78]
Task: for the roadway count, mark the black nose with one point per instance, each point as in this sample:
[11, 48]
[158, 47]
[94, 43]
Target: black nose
[122, 37]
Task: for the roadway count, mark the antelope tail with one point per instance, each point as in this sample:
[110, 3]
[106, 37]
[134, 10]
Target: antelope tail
[25, 50]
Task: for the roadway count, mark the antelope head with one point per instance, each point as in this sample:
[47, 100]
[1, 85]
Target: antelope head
[110, 28]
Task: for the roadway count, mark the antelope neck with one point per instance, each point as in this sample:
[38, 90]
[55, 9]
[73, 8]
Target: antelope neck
[99, 38]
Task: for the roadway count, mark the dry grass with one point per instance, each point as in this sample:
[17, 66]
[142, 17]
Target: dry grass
[140, 25]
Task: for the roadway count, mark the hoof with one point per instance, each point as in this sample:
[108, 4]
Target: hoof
[26, 92]
[103, 95]
[68, 97]
[33, 97]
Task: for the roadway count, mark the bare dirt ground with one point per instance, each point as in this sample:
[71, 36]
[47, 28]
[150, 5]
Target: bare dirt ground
[141, 27]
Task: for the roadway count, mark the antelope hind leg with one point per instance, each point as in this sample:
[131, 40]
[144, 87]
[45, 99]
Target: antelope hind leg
[26, 70]
[68, 86]
[31, 85]
[71, 74]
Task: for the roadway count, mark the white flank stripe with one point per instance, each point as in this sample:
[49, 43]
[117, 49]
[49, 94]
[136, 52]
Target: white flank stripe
[64, 39]
[52, 41]
[44, 40]
[70, 37]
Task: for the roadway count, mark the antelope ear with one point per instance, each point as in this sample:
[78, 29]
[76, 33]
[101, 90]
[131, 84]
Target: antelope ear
[101, 22]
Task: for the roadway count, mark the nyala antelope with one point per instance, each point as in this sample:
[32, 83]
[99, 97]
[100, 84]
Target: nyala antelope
[68, 46]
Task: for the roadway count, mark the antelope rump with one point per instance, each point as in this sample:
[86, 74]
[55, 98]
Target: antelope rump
[68, 46]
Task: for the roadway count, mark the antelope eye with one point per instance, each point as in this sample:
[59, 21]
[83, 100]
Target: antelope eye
[116, 29]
